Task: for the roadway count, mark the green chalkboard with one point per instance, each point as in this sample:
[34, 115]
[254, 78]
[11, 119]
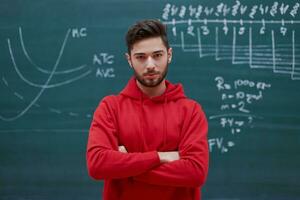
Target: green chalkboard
[239, 59]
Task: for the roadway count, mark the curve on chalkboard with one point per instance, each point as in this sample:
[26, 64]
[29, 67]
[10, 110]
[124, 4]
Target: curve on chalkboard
[38, 67]
[35, 99]
[57, 61]
[51, 109]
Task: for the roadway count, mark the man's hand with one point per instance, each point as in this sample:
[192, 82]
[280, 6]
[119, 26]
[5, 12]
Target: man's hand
[168, 156]
[122, 149]
[164, 157]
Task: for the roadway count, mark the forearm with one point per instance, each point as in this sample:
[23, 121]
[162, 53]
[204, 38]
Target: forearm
[189, 171]
[164, 157]
[172, 171]
[111, 164]
[181, 173]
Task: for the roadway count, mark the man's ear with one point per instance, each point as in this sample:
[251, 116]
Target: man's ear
[128, 59]
[170, 53]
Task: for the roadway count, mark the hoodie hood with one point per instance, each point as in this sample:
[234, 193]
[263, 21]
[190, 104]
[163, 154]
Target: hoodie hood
[173, 92]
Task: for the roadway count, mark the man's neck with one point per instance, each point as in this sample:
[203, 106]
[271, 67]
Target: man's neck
[152, 91]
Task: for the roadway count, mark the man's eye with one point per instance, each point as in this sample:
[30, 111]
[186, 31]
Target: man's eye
[158, 55]
[140, 57]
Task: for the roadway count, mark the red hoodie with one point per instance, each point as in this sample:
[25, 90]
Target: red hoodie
[145, 126]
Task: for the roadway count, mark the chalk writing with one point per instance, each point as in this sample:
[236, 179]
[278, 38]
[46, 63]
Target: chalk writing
[209, 30]
[104, 60]
[276, 9]
[79, 32]
[74, 73]
[237, 99]
[219, 145]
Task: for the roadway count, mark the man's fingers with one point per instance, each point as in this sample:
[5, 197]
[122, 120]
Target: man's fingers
[122, 149]
[168, 156]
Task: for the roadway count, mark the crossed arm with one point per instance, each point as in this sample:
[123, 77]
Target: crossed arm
[186, 167]
[164, 157]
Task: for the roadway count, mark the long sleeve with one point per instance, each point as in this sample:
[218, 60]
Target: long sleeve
[104, 161]
[192, 168]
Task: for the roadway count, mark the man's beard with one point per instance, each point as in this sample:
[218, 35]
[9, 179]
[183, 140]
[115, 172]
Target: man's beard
[151, 82]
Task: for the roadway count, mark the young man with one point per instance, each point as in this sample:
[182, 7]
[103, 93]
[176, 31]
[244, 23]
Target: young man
[150, 141]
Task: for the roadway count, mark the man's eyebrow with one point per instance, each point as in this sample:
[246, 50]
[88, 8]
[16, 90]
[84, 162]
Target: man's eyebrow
[159, 51]
[154, 52]
[139, 54]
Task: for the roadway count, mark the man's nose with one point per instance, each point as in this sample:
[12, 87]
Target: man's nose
[150, 63]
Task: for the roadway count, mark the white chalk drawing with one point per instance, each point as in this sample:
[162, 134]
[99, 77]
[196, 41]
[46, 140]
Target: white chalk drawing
[46, 85]
[43, 70]
[236, 115]
[262, 36]
[232, 9]
[38, 67]
[198, 28]
[281, 58]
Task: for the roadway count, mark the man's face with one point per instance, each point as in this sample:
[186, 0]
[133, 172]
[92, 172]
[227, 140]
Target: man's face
[149, 59]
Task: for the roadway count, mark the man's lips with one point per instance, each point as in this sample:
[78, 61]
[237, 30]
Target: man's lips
[151, 75]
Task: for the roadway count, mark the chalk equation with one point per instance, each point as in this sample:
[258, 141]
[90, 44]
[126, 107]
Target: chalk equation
[236, 109]
[100, 64]
[262, 10]
[261, 36]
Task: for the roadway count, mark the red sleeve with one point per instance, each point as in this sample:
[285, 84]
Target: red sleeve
[104, 161]
[192, 168]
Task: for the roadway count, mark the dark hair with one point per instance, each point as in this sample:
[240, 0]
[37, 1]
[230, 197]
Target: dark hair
[146, 29]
